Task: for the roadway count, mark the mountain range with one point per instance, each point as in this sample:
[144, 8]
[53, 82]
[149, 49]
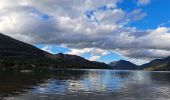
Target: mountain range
[123, 65]
[17, 54]
[158, 65]
[154, 65]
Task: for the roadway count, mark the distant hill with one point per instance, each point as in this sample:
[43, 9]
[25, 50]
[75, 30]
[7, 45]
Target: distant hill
[17, 54]
[123, 65]
[158, 65]
[75, 61]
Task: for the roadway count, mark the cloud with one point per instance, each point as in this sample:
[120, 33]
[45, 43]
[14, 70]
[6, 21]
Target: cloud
[137, 61]
[138, 12]
[141, 56]
[80, 51]
[143, 2]
[144, 53]
[85, 26]
[95, 58]
[95, 53]
[156, 39]
[47, 48]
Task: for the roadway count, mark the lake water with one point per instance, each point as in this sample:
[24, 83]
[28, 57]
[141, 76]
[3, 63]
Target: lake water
[84, 85]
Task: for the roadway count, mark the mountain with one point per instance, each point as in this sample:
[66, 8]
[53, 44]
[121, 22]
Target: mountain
[10, 48]
[123, 65]
[14, 53]
[158, 65]
[17, 54]
[74, 61]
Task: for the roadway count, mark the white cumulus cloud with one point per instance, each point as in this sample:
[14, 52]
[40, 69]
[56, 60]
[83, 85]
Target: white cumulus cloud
[85, 26]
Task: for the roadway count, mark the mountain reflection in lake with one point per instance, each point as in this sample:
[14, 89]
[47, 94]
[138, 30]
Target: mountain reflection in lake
[84, 85]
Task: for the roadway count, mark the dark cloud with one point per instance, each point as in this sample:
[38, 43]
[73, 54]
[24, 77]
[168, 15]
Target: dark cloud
[63, 22]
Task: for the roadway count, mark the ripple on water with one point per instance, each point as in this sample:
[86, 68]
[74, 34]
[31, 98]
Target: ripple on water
[86, 85]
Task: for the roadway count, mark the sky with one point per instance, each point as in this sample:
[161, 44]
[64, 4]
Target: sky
[98, 30]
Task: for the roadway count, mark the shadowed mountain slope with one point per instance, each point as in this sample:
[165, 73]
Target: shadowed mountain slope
[158, 65]
[123, 65]
[14, 53]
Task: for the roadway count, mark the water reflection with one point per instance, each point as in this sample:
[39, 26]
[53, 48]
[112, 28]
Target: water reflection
[85, 85]
[15, 83]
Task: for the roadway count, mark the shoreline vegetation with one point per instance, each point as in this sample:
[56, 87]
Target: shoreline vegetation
[15, 54]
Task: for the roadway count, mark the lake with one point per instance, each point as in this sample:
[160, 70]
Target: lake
[84, 85]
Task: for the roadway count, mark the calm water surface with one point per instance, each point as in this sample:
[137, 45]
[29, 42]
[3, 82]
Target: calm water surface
[84, 85]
